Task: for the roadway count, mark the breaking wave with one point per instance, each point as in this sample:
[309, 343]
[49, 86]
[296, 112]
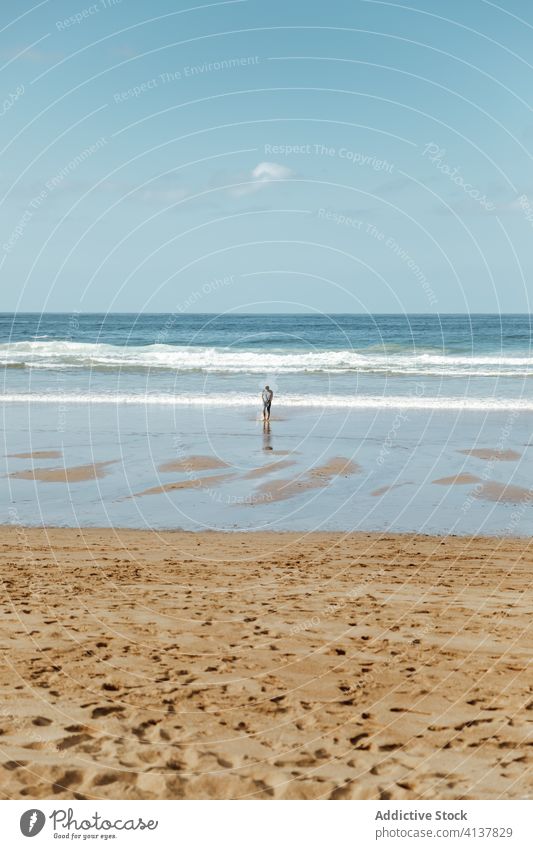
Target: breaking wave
[60, 355]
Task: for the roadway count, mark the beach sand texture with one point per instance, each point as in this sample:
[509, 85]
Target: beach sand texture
[264, 666]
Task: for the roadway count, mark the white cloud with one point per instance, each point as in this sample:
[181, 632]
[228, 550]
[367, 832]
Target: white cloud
[262, 175]
[265, 172]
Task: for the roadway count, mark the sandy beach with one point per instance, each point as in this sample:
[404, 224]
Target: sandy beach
[266, 350]
[264, 666]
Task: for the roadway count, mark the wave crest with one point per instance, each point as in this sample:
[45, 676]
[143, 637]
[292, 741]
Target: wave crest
[93, 356]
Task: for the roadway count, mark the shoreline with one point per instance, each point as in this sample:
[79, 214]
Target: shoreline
[178, 665]
[378, 535]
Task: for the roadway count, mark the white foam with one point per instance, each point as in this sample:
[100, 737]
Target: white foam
[362, 402]
[63, 354]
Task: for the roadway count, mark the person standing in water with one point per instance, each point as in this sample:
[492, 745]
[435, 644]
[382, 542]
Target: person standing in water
[267, 396]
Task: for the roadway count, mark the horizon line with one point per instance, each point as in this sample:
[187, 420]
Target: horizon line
[231, 313]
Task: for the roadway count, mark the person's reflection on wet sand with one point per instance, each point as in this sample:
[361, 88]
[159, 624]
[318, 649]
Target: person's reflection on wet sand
[267, 437]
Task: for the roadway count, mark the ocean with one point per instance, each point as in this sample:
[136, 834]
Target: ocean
[404, 396]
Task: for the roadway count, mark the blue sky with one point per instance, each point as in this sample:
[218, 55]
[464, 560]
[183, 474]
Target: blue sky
[346, 156]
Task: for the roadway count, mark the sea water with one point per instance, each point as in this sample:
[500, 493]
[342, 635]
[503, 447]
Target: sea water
[402, 395]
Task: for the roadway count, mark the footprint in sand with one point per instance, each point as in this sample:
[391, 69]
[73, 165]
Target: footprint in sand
[105, 711]
[70, 777]
[105, 779]
[74, 740]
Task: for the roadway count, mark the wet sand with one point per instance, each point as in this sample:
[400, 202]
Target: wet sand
[317, 477]
[37, 455]
[190, 483]
[185, 665]
[494, 491]
[267, 469]
[199, 463]
[278, 490]
[458, 479]
[382, 490]
[488, 490]
[72, 474]
[491, 454]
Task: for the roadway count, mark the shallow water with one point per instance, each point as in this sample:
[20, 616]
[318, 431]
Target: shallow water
[402, 396]
[441, 362]
[400, 455]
